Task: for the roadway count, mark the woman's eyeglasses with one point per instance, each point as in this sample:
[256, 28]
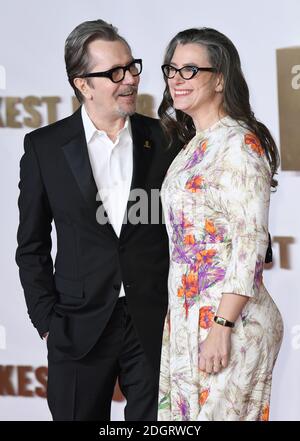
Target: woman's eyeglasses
[186, 72]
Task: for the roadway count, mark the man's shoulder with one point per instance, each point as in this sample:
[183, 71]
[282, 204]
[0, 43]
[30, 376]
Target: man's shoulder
[57, 129]
[146, 120]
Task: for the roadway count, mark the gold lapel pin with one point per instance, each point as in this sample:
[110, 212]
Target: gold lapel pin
[147, 145]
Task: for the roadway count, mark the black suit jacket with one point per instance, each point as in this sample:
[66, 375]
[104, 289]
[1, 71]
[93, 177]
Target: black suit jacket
[75, 299]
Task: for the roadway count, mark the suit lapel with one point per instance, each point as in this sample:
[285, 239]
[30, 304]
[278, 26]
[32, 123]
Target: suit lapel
[77, 157]
[142, 157]
[76, 153]
[142, 152]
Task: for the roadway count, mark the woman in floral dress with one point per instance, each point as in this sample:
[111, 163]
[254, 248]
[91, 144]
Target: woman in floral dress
[223, 331]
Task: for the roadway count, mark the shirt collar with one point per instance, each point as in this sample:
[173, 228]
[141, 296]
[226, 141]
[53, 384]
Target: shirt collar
[90, 129]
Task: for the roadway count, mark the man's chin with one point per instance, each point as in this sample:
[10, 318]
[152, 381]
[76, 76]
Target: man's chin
[124, 112]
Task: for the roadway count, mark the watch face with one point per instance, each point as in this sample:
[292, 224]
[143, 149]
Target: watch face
[223, 322]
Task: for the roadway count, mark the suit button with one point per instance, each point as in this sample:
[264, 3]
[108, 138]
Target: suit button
[117, 287]
[122, 248]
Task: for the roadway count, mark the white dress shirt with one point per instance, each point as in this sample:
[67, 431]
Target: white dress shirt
[112, 167]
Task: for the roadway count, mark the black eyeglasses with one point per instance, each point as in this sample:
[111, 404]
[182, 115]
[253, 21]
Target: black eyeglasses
[186, 72]
[117, 74]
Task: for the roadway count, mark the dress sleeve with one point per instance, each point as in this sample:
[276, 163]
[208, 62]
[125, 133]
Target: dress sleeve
[243, 195]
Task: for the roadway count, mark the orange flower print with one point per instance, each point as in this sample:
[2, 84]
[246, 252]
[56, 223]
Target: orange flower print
[180, 292]
[189, 239]
[204, 145]
[265, 413]
[254, 143]
[194, 184]
[206, 316]
[186, 223]
[203, 396]
[214, 234]
[205, 256]
[188, 290]
[209, 227]
[189, 286]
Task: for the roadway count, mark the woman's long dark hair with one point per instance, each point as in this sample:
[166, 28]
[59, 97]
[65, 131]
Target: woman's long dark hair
[224, 56]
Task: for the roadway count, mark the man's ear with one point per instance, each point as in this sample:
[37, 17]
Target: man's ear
[220, 84]
[83, 87]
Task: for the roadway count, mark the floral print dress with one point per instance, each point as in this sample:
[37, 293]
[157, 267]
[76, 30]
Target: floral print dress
[216, 199]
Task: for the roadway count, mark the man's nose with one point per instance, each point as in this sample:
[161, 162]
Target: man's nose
[129, 78]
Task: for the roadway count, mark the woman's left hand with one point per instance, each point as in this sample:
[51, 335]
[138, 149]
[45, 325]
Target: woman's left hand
[215, 349]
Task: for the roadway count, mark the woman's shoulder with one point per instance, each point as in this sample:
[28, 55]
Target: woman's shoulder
[241, 149]
[241, 141]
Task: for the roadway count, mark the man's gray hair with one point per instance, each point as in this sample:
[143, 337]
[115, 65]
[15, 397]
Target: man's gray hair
[77, 56]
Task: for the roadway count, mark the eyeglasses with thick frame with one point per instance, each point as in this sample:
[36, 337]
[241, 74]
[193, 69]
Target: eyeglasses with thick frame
[117, 74]
[186, 72]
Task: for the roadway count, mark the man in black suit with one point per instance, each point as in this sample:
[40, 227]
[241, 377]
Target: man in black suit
[102, 308]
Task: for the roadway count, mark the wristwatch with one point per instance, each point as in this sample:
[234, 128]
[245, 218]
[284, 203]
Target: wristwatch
[223, 322]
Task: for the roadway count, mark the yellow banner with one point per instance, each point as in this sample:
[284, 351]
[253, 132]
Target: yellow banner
[288, 71]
